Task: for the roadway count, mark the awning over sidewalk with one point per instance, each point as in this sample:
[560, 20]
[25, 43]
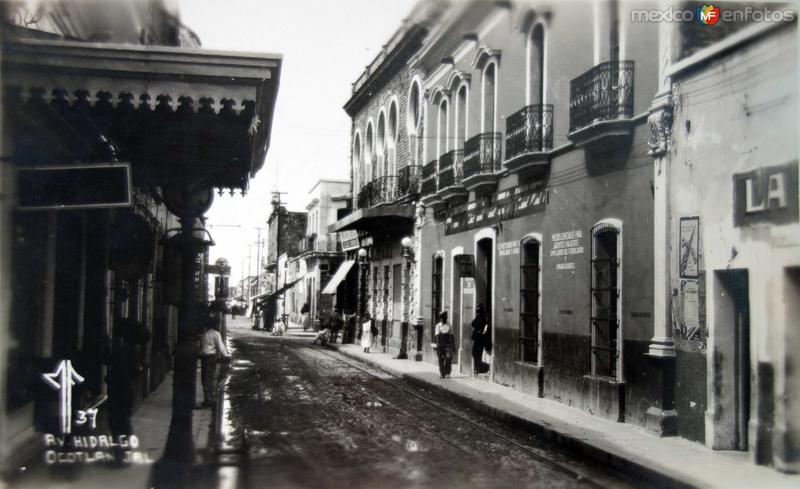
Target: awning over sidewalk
[386, 218]
[337, 278]
[170, 111]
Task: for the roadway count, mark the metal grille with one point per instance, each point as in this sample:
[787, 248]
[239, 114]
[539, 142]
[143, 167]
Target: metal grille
[482, 154]
[450, 168]
[605, 92]
[529, 302]
[408, 180]
[605, 292]
[378, 191]
[428, 185]
[529, 130]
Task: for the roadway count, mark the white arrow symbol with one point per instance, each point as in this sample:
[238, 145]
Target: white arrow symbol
[62, 380]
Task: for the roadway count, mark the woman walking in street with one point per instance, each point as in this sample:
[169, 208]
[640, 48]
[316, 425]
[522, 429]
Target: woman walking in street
[445, 345]
[366, 333]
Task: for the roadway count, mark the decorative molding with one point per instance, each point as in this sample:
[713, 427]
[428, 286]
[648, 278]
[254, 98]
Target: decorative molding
[455, 78]
[483, 56]
[659, 121]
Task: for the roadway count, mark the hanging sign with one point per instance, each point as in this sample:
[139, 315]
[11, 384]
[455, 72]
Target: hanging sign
[508, 204]
[67, 187]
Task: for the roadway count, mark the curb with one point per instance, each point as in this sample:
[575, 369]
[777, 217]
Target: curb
[635, 471]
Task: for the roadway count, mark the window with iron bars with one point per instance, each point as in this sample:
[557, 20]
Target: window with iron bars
[605, 300]
[530, 293]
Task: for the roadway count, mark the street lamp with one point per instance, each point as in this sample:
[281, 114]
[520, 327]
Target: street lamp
[408, 254]
[362, 282]
[408, 249]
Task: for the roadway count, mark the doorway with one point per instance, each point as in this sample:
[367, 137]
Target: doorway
[731, 359]
[484, 288]
[455, 307]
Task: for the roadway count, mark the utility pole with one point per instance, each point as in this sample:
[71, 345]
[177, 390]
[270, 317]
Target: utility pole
[276, 208]
[258, 261]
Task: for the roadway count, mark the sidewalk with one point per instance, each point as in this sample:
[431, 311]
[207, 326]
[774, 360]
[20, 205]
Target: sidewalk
[150, 425]
[665, 462]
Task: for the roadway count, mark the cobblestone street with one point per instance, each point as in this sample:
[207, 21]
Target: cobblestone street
[314, 418]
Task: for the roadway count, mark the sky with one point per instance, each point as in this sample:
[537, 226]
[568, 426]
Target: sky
[325, 44]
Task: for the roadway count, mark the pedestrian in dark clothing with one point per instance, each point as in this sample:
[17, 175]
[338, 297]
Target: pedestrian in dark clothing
[445, 345]
[337, 323]
[480, 331]
[350, 328]
[124, 366]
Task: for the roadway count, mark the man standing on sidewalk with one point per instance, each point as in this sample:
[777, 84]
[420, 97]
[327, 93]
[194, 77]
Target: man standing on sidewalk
[212, 348]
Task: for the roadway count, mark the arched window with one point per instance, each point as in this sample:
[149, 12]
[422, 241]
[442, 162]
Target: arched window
[381, 146]
[606, 292]
[489, 98]
[358, 164]
[369, 154]
[536, 66]
[441, 129]
[392, 134]
[461, 117]
[413, 109]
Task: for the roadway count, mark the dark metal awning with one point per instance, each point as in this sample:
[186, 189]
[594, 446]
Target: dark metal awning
[170, 111]
[383, 219]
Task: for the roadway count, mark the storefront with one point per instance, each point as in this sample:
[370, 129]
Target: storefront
[109, 228]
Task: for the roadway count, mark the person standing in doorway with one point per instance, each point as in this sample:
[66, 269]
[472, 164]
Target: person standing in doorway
[444, 345]
[212, 349]
[480, 330]
[366, 333]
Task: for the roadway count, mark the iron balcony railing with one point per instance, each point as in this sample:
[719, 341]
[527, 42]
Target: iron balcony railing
[379, 191]
[529, 130]
[428, 185]
[451, 166]
[603, 93]
[408, 181]
[482, 154]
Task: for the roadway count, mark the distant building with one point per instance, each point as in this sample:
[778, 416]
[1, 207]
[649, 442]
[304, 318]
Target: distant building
[286, 234]
[322, 252]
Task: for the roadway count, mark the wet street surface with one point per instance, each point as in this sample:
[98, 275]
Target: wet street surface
[310, 417]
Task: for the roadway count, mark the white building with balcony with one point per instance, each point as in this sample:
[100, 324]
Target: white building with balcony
[322, 253]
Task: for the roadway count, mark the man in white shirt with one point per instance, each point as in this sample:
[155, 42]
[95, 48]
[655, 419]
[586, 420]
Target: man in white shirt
[211, 348]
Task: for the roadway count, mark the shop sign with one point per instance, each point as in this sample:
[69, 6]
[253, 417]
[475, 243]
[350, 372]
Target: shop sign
[349, 240]
[466, 265]
[766, 195]
[568, 243]
[689, 247]
[66, 187]
[508, 248]
[509, 204]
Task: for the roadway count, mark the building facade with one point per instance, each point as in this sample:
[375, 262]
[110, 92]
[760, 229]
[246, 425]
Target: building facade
[101, 227]
[727, 223]
[322, 251]
[387, 144]
[633, 243]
